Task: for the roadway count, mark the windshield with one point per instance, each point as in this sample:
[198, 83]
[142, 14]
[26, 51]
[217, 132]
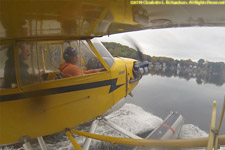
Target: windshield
[103, 52]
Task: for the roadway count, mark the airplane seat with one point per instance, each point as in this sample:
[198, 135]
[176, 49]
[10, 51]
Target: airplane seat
[44, 76]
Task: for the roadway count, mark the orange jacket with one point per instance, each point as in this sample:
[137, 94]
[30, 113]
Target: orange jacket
[69, 70]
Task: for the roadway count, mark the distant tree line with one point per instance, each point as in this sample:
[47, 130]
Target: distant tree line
[117, 49]
[203, 71]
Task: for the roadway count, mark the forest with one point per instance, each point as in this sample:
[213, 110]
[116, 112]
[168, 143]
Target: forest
[204, 71]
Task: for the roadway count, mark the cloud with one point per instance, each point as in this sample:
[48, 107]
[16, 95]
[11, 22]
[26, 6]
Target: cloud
[179, 43]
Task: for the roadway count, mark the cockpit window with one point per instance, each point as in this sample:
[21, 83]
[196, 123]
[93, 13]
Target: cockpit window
[38, 61]
[79, 59]
[103, 52]
[51, 56]
[41, 61]
[29, 70]
[89, 59]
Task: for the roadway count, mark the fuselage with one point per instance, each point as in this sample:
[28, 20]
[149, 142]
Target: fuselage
[53, 104]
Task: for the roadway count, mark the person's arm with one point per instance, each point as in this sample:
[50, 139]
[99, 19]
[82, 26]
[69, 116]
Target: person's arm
[89, 71]
[93, 70]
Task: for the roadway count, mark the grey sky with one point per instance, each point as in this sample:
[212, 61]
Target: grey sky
[179, 43]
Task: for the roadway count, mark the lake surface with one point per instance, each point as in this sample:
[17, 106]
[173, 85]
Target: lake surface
[160, 95]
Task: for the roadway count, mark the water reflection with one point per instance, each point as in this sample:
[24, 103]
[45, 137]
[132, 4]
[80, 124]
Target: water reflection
[160, 95]
[207, 72]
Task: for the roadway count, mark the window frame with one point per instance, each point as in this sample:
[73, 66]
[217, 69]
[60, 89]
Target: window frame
[98, 55]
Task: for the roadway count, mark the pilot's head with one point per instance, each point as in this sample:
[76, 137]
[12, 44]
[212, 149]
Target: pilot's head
[24, 51]
[70, 55]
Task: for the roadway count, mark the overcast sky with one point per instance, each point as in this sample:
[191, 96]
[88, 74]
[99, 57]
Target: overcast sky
[179, 43]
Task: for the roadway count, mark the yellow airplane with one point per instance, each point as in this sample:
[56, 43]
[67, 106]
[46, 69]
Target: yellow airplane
[35, 98]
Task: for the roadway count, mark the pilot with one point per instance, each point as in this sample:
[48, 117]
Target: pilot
[69, 68]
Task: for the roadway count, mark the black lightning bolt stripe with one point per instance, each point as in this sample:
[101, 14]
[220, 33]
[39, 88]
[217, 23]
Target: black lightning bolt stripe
[63, 89]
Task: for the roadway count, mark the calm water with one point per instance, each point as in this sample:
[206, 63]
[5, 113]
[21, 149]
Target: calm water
[160, 95]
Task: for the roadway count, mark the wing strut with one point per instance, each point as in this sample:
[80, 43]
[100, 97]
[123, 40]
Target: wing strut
[92, 130]
[212, 141]
[212, 132]
[216, 141]
[175, 143]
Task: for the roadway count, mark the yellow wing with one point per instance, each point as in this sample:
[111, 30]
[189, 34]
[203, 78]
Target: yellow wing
[90, 18]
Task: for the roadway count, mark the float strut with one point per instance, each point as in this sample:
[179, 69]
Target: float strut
[27, 145]
[75, 144]
[42, 143]
[118, 128]
[92, 130]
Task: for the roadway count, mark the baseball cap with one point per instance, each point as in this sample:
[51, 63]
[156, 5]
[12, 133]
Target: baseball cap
[69, 51]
